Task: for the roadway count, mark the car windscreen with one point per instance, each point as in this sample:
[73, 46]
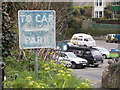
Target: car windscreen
[103, 49]
[71, 55]
[95, 53]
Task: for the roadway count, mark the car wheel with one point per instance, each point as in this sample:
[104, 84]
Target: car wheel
[106, 40]
[96, 65]
[73, 65]
[104, 56]
[84, 66]
[85, 45]
[79, 66]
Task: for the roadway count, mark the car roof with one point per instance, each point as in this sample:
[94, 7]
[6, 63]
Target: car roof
[79, 48]
[81, 34]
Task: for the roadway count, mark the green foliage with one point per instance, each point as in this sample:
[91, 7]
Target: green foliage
[75, 23]
[98, 32]
[86, 11]
[88, 6]
[108, 12]
[10, 30]
[7, 34]
[51, 75]
[118, 16]
[91, 31]
[114, 67]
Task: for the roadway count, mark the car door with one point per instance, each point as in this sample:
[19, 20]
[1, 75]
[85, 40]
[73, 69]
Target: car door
[88, 56]
[63, 57]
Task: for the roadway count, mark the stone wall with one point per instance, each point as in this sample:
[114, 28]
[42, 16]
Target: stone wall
[111, 76]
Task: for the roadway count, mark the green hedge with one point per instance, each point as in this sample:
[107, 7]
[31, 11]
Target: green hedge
[104, 26]
[91, 31]
[106, 21]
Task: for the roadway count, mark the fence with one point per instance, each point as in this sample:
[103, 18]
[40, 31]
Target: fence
[104, 26]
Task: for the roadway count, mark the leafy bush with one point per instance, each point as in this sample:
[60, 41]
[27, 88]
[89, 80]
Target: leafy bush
[98, 32]
[107, 21]
[91, 31]
[118, 16]
[21, 74]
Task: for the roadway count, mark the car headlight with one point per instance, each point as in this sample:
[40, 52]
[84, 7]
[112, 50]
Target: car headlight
[80, 61]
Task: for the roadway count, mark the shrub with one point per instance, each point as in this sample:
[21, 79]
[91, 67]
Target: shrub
[50, 75]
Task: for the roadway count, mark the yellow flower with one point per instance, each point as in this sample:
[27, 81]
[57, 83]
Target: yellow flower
[68, 75]
[67, 72]
[61, 71]
[37, 85]
[48, 68]
[45, 65]
[59, 74]
[70, 70]
[41, 84]
[49, 53]
[31, 83]
[84, 85]
[87, 80]
[54, 53]
[52, 61]
[54, 65]
[29, 78]
[54, 69]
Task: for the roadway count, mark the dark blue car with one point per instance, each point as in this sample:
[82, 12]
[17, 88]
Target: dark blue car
[117, 38]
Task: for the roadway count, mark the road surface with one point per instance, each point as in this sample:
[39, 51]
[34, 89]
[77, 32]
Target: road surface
[95, 73]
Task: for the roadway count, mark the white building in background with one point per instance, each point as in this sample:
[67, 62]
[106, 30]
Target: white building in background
[99, 6]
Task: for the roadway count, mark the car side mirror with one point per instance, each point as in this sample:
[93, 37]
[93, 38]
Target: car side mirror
[66, 57]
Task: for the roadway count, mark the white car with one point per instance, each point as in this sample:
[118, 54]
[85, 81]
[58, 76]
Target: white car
[76, 61]
[105, 53]
[82, 39]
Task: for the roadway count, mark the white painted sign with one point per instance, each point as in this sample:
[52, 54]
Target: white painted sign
[37, 29]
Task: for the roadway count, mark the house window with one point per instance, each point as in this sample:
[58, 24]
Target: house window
[100, 2]
[96, 2]
[100, 13]
[96, 14]
[118, 3]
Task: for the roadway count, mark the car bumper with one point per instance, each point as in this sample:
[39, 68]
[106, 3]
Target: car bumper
[82, 65]
[98, 62]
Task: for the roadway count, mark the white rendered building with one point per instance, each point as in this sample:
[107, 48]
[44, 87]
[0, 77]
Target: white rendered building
[99, 6]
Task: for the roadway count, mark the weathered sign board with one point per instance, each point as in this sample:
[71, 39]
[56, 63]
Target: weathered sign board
[37, 29]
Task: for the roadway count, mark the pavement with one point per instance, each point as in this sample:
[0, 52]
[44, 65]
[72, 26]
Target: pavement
[95, 73]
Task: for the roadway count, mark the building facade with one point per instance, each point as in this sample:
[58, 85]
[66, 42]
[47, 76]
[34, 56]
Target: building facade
[115, 7]
[99, 6]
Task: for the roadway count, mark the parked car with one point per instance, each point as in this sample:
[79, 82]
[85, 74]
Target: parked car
[82, 39]
[92, 55]
[115, 53]
[117, 38]
[110, 37]
[105, 53]
[76, 61]
[67, 63]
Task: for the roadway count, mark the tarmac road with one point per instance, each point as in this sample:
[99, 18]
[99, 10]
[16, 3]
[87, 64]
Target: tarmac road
[108, 46]
[95, 73]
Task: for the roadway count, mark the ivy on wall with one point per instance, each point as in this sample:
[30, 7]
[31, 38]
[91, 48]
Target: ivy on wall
[7, 34]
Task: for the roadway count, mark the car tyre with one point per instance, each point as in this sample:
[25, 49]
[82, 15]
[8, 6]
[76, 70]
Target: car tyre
[79, 66]
[104, 56]
[107, 41]
[96, 65]
[84, 66]
[85, 45]
[73, 65]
